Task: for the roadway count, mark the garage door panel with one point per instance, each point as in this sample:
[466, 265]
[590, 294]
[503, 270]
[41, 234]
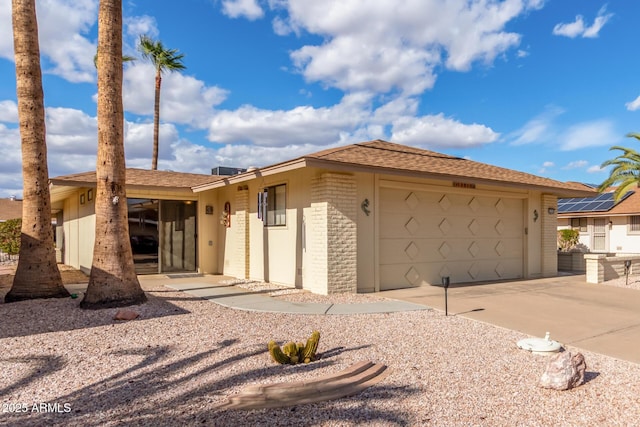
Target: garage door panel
[406, 200]
[426, 235]
[430, 250]
[397, 276]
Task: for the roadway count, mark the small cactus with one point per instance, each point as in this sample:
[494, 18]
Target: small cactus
[311, 347]
[292, 353]
[277, 355]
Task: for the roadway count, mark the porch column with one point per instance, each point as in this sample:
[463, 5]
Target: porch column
[549, 230]
[333, 240]
[241, 226]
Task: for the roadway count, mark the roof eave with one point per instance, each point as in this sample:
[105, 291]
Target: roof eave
[560, 192]
[252, 174]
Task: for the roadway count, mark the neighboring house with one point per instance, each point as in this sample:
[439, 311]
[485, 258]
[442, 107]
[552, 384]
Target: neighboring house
[10, 209]
[604, 225]
[360, 218]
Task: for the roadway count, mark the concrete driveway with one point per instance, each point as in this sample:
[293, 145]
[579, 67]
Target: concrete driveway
[598, 318]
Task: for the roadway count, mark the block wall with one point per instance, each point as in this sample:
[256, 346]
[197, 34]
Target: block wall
[334, 234]
[549, 230]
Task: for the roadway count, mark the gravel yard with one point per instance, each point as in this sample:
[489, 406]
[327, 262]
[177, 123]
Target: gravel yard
[184, 355]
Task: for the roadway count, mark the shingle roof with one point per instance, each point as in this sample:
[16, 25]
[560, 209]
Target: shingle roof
[387, 155]
[10, 209]
[141, 178]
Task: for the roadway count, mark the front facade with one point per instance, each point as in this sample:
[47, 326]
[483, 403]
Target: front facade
[162, 219]
[604, 225]
[374, 216]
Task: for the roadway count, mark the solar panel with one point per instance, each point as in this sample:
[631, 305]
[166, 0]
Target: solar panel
[600, 203]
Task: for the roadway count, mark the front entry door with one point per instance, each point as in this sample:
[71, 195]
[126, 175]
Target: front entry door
[177, 236]
[600, 234]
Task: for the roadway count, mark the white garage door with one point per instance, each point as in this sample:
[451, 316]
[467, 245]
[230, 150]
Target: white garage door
[426, 235]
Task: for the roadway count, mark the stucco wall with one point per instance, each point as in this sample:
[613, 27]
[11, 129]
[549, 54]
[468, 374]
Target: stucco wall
[79, 223]
[79, 231]
[549, 230]
[330, 244]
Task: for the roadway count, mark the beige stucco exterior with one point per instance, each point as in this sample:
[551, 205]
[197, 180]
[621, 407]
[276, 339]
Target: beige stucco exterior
[349, 228]
[75, 237]
[329, 243]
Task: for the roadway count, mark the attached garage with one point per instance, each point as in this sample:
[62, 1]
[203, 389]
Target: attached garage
[376, 216]
[470, 236]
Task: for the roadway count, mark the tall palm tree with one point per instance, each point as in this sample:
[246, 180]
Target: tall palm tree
[625, 172]
[37, 274]
[113, 281]
[163, 59]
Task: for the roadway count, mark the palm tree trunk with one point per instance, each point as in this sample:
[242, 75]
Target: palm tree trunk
[113, 281]
[37, 274]
[156, 122]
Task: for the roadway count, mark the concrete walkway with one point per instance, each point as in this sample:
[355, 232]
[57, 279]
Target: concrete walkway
[598, 318]
[243, 299]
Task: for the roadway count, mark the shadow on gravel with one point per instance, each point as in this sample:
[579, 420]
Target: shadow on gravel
[64, 314]
[159, 391]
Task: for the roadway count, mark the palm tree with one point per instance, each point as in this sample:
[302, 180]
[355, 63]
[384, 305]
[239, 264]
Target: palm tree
[125, 58]
[113, 281]
[163, 59]
[625, 172]
[37, 274]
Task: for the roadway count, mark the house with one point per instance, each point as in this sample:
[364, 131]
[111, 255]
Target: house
[10, 208]
[605, 226]
[359, 218]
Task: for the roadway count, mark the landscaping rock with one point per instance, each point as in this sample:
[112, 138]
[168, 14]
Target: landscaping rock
[124, 314]
[564, 371]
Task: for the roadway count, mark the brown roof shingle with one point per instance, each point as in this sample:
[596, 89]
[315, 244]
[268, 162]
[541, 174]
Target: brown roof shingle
[387, 155]
[141, 178]
[10, 209]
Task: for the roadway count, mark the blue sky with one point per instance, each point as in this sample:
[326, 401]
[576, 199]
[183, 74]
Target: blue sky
[544, 87]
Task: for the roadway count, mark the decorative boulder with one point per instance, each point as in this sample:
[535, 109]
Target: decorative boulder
[124, 314]
[564, 371]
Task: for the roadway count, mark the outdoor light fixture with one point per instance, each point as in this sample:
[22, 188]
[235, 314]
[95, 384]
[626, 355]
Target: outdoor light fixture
[445, 283]
[535, 215]
[551, 211]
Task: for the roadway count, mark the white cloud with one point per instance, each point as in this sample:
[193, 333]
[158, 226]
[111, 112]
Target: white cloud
[136, 26]
[300, 125]
[546, 166]
[440, 131]
[242, 8]
[633, 105]
[8, 112]
[184, 99]
[576, 164]
[596, 169]
[66, 50]
[578, 27]
[589, 134]
[386, 46]
[539, 129]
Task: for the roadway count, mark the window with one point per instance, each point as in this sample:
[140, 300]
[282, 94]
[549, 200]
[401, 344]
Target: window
[634, 224]
[272, 205]
[579, 224]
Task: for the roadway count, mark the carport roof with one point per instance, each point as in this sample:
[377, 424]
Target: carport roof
[386, 157]
[140, 178]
